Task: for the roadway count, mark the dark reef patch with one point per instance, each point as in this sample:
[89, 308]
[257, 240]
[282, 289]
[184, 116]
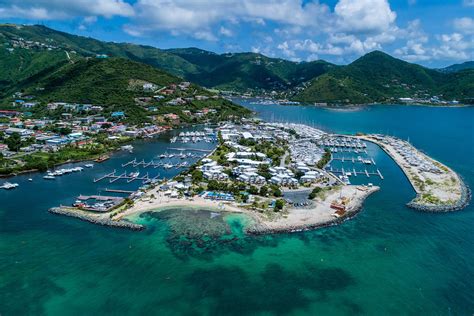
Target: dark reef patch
[276, 290]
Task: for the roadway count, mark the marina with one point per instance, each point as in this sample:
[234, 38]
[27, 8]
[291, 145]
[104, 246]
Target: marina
[404, 248]
[208, 136]
[133, 176]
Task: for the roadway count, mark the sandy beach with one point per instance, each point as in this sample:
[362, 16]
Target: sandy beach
[293, 219]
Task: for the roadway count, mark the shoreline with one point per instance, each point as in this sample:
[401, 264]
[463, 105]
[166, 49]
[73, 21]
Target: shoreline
[294, 220]
[416, 203]
[99, 220]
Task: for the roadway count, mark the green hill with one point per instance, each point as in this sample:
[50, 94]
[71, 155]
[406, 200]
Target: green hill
[98, 81]
[243, 71]
[458, 67]
[375, 77]
[239, 72]
[378, 77]
[19, 64]
[113, 83]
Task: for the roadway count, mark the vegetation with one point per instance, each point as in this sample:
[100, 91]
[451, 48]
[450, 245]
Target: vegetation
[375, 77]
[315, 192]
[279, 204]
[45, 160]
[324, 159]
[378, 77]
[14, 142]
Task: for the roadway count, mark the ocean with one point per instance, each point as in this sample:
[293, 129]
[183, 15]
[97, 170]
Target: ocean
[388, 260]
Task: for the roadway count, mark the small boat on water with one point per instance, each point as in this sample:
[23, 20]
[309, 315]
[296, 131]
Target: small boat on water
[89, 165]
[127, 147]
[9, 186]
[49, 177]
[30, 179]
[102, 158]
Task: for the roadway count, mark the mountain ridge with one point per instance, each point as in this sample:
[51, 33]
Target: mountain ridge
[374, 77]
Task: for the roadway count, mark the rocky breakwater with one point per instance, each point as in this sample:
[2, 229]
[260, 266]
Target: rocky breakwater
[460, 204]
[438, 188]
[91, 218]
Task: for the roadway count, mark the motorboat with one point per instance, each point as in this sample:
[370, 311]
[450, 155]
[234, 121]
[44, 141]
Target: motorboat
[9, 186]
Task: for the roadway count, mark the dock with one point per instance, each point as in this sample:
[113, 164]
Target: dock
[99, 198]
[155, 164]
[355, 173]
[105, 176]
[192, 149]
[380, 174]
[119, 191]
[130, 178]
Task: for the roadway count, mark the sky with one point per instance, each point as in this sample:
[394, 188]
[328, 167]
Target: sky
[434, 33]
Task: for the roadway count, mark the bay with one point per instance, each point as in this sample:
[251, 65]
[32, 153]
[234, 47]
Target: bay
[388, 260]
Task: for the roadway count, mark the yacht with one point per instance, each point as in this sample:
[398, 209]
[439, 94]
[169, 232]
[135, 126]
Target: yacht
[89, 165]
[127, 147]
[9, 186]
[49, 177]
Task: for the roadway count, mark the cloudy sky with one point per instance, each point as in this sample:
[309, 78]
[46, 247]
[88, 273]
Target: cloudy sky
[430, 32]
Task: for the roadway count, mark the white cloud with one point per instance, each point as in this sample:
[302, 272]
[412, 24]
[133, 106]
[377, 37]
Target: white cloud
[454, 46]
[205, 35]
[370, 16]
[62, 10]
[87, 21]
[225, 31]
[464, 25]
[286, 50]
[468, 3]
[184, 17]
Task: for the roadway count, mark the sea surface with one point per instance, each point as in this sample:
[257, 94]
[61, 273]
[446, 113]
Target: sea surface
[389, 260]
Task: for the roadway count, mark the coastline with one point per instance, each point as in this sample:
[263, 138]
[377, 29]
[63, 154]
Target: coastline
[99, 220]
[294, 220]
[417, 203]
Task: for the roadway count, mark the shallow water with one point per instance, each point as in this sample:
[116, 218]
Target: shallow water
[387, 260]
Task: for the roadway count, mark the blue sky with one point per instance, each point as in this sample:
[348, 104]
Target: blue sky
[433, 33]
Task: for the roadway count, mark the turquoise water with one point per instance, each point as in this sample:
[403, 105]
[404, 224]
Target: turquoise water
[387, 260]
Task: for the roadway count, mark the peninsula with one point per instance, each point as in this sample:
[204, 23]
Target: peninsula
[438, 188]
[279, 175]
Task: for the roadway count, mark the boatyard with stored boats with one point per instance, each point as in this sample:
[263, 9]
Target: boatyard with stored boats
[438, 188]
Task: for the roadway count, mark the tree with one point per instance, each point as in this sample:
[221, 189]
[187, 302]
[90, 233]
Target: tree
[264, 190]
[196, 175]
[65, 130]
[279, 204]
[315, 192]
[253, 190]
[324, 159]
[263, 170]
[213, 185]
[277, 192]
[14, 142]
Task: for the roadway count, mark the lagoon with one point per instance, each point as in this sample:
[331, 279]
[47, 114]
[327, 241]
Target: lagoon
[387, 260]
